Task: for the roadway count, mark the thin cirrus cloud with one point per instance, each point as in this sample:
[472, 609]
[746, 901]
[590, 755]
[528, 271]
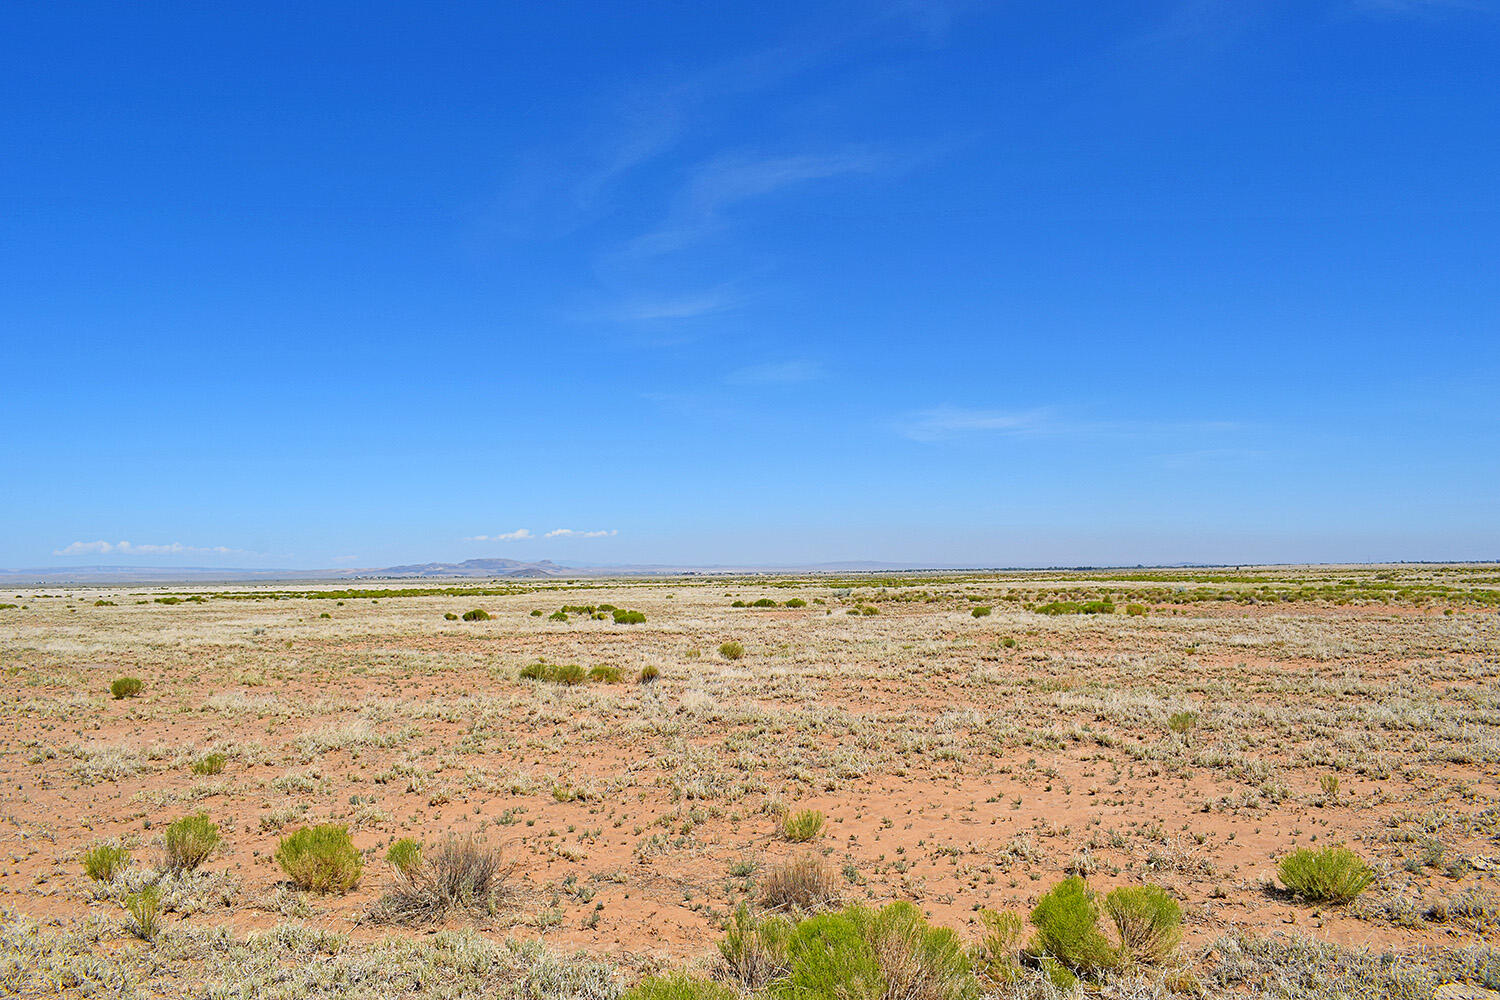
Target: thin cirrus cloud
[519, 535]
[574, 533]
[101, 548]
[776, 373]
[946, 422]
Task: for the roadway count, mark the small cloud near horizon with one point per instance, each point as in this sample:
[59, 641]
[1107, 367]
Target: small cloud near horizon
[519, 535]
[102, 547]
[574, 533]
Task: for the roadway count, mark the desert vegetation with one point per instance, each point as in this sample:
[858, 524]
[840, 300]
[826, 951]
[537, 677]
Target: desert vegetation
[1266, 782]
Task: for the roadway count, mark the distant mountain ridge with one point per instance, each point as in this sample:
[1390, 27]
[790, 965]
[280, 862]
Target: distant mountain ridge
[488, 568]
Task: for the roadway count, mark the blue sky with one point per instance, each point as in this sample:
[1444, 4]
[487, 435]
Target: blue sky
[1009, 283]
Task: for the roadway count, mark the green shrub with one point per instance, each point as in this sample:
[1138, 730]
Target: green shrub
[764, 602]
[679, 986]
[103, 862]
[996, 958]
[736, 604]
[449, 616]
[566, 674]
[1067, 928]
[126, 687]
[623, 617]
[603, 673]
[649, 673]
[1182, 723]
[1077, 608]
[1135, 609]
[558, 616]
[980, 611]
[869, 609]
[732, 650]
[404, 855]
[802, 826]
[189, 842]
[537, 613]
[477, 615]
[1331, 875]
[1147, 920]
[753, 951]
[321, 858]
[1008, 642]
[796, 602]
[101, 603]
[144, 908]
[534, 672]
[212, 763]
[862, 953]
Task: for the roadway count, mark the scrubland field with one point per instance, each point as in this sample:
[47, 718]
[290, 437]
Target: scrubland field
[720, 800]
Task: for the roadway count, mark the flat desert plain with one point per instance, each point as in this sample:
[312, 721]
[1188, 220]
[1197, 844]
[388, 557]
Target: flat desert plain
[968, 741]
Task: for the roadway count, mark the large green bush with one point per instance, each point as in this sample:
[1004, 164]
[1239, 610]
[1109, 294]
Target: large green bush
[189, 842]
[861, 953]
[1332, 875]
[1147, 919]
[321, 858]
[1067, 928]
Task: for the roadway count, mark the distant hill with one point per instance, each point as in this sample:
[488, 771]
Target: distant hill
[487, 568]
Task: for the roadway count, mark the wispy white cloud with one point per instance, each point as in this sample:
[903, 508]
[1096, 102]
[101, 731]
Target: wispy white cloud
[678, 307]
[945, 422]
[574, 533]
[519, 535]
[949, 421]
[144, 549]
[719, 184]
[776, 373]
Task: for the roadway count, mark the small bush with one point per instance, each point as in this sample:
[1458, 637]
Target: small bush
[558, 616]
[404, 855]
[1148, 921]
[1332, 875]
[753, 951]
[996, 958]
[869, 609]
[566, 674]
[796, 602]
[891, 953]
[189, 842]
[980, 611]
[679, 986]
[103, 862]
[623, 617]
[212, 763]
[537, 613]
[649, 673]
[1182, 723]
[477, 615]
[144, 908]
[1008, 642]
[1135, 609]
[602, 673]
[101, 603]
[126, 687]
[736, 604]
[802, 826]
[449, 616]
[732, 650]
[533, 672]
[1076, 608]
[1067, 928]
[461, 876]
[321, 858]
[805, 884]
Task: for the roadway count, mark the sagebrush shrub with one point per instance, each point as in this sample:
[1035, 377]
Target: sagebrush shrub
[803, 884]
[462, 875]
[623, 617]
[477, 615]
[753, 951]
[1182, 723]
[731, 650]
[649, 673]
[996, 958]
[321, 858]
[189, 842]
[1067, 928]
[889, 953]
[103, 862]
[126, 687]
[558, 616]
[980, 611]
[450, 616]
[602, 673]
[1331, 875]
[1147, 920]
[796, 602]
